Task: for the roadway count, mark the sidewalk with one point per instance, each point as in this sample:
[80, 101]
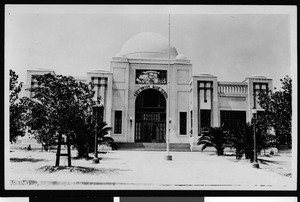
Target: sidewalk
[142, 170]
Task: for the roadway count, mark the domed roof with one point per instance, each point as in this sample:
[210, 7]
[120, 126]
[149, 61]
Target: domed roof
[181, 57]
[148, 45]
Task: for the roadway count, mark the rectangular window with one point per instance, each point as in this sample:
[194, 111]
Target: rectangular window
[191, 119]
[99, 81]
[205, 86]
[183, 120]
[118, 122]
[257, 88]
[98, 114]
[231, 119]
[205, 119]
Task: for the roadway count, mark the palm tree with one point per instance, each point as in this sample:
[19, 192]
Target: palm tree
[103, 138]
[214, 137]
[84, 137]
[241, 138]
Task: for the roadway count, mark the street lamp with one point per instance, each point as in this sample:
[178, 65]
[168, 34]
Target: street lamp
[169, 157]
[255, 162]
[95, 112]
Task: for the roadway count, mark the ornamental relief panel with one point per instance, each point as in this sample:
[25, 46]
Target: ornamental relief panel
[151, 77]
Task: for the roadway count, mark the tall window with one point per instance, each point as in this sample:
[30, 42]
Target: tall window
[100, 84]
[191, 112]
[257, 88]
[205, 86]
[118, 122]
[205, 117]
[183, 120]
[98, 114]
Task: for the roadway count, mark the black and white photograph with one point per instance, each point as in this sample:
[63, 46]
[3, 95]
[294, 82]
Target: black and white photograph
[136, 97]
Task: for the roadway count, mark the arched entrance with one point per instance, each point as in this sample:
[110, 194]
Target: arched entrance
[150, 116]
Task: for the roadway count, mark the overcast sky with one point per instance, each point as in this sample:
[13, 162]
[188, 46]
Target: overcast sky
[229, 42]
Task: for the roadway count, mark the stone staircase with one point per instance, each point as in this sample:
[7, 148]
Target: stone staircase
[145, 146]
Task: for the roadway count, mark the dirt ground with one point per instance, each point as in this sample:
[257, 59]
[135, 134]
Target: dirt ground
[280, 163]
[148, 170]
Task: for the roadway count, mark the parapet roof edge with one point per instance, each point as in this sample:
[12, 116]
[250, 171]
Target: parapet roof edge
[256, 77]
[204, 75]
[100, 71]
[40, 69]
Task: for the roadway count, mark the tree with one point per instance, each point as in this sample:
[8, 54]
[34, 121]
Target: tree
[102, 134]
[61, 106]
[278, 110]
[84, 139]
[264, 138]
[17, 108]
[214, 137]
[241, 138]
[39, 127]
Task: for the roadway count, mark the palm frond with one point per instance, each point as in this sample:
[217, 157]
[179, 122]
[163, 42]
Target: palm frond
[205, 142]
[107, 139]
[104, 131]
[206, 145]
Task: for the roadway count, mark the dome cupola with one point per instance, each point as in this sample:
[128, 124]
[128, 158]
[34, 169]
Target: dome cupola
[148, 45]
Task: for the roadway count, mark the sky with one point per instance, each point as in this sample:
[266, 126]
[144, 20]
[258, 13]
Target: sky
[230, 42]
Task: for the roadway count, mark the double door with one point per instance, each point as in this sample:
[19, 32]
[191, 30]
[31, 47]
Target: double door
[150, 128]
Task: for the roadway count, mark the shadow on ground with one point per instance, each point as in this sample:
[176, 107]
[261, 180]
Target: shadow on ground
[213, 154]
[80, 169]
[110, 159]
[31, 160]
[78, 158]
[264, 161]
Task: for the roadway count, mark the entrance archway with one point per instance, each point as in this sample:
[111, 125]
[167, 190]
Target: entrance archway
[150, 116]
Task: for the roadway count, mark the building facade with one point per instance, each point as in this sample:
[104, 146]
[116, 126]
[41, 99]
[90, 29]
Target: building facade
[147, 96]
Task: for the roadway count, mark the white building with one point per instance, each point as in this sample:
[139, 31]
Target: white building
[142, 94]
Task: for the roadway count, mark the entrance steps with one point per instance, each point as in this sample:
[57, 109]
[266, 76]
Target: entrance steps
[148, 146]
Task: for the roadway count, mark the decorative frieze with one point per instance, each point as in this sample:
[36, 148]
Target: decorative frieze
[151, 77]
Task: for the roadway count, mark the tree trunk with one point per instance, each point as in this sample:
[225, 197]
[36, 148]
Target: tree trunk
[58, 150]
[69, 150]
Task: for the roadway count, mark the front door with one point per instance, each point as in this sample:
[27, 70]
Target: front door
[150, 117]
[149, 131]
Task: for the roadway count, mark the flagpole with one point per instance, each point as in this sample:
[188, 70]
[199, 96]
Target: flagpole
[169, 157]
